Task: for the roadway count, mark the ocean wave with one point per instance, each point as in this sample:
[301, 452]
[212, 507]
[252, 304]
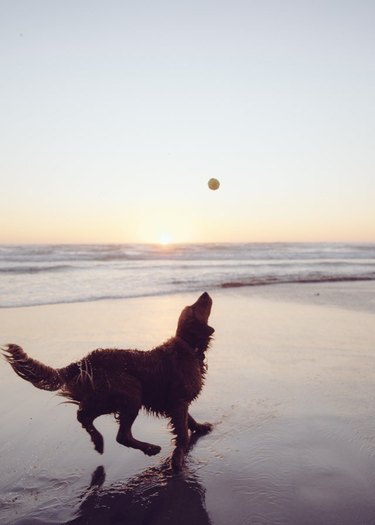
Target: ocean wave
[174, 287]
[193, 251]
[19, 270]
[263, 281]
[36, 275]
[83, 299]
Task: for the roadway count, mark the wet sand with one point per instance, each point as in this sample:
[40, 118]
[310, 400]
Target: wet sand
[290, 388]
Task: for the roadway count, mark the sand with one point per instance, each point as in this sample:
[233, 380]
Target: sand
[290, 389]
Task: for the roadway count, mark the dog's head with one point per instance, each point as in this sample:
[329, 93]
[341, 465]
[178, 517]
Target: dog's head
[192, 324]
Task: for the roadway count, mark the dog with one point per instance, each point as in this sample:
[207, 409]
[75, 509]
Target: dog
[164, 381]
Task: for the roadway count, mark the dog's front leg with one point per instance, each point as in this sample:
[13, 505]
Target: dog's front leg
[199, 428]
[179, 420]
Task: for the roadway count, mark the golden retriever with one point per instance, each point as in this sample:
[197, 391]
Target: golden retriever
[164, 381]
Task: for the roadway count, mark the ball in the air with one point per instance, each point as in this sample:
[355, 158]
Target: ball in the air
[213, 184]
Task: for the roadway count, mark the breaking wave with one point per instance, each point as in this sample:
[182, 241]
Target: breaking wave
[51, 274]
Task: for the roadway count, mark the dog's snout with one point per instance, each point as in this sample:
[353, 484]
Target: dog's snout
[204, 303]
[202, 307]
[205, 298]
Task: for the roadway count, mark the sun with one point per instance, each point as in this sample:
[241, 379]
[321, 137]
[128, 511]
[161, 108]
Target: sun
[165, 239]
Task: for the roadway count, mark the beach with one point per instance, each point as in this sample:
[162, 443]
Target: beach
[290, 389]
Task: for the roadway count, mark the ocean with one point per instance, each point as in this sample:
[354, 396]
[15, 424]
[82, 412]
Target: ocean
[51, 274]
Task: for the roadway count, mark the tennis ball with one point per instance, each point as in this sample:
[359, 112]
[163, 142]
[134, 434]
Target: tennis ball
[213, 184]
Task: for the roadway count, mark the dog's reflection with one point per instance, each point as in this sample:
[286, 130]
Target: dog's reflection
[156, 496]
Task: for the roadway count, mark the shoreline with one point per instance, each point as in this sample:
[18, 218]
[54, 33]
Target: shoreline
[340, 293]
[289, 388]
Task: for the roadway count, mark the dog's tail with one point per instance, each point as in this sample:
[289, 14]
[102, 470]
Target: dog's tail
[31, 370]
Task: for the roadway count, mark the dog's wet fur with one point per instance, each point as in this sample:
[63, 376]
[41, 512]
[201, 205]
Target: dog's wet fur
[164, 381]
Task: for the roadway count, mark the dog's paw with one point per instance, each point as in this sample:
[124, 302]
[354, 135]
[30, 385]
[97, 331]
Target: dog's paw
[203, 428]
[152, 450]
[99, 444]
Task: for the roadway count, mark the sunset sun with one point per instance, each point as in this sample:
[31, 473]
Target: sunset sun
[165, 239]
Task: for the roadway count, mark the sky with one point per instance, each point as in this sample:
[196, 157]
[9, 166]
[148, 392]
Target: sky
[115, 114]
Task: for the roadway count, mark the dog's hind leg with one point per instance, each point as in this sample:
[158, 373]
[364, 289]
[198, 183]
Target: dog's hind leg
[86, 417]
[125, 436]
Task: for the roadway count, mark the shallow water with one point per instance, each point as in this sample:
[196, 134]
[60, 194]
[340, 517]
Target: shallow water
[291, 393]
[53, 274]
